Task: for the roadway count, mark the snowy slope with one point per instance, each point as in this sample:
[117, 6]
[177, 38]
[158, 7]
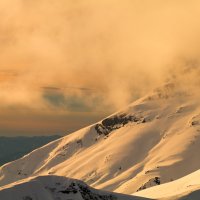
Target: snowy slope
[57, 188]
[147, 143]
[187, 187]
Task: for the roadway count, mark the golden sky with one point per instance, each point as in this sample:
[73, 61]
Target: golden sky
[68, 63]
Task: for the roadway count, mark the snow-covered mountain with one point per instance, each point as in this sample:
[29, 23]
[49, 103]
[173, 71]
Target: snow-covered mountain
[57, 188]
[154, 140]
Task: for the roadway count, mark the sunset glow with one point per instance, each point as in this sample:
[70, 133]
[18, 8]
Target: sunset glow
[66, 64]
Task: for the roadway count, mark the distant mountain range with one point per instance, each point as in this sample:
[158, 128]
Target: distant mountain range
[12, 148]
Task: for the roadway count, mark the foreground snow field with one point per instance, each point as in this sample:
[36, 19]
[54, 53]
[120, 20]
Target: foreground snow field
[57, 188]
[154, 140]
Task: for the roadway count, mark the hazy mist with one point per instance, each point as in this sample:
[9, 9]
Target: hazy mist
[71, 62]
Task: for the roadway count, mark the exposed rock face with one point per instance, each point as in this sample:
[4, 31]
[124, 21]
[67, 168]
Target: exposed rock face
[116, 122]
[152, 182]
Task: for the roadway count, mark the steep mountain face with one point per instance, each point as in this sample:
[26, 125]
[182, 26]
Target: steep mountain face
[57, 188]
[187, 187]
[153, 141]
